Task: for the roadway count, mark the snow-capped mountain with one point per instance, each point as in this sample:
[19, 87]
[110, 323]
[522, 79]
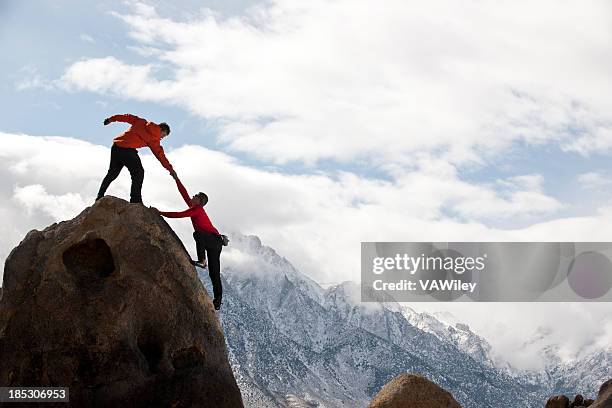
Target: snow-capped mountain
[293, 343]
[447, 328]
[585, 373]
[579, 375]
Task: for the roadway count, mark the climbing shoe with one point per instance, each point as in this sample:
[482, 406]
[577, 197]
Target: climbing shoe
[199, 264]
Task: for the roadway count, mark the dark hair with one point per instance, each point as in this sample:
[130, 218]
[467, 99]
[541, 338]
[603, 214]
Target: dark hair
[164, 126]
[202, 197]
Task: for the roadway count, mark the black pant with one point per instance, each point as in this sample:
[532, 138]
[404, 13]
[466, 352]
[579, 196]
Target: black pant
[121, 156]
[211, 244]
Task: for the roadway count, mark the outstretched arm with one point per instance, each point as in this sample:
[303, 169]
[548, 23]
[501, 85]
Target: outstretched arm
[180, 214]
[183, 191]
[158, 151]
[127, 118]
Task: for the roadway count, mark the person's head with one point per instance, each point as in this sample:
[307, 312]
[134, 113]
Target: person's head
[165, 129]
[199, 199]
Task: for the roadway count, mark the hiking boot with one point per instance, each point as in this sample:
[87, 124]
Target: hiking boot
[199, 264]
[217, 303]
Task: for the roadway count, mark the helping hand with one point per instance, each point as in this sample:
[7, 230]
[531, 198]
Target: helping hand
[173, 174]
[107, 121]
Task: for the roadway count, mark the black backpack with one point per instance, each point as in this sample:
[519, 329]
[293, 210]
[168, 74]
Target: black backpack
[224, 240]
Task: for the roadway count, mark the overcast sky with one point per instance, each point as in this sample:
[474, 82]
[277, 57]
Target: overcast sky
[317, 125]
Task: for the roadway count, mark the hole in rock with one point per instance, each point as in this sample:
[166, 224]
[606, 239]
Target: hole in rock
[152, 351]
[89, 261]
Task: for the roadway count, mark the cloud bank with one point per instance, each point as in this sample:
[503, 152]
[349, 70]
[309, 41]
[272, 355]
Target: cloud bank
[343, 80]
[316, 220]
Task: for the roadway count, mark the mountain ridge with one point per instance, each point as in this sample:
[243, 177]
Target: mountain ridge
[348, 350]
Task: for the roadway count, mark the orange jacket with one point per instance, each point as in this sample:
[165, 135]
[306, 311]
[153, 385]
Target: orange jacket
[141, 134]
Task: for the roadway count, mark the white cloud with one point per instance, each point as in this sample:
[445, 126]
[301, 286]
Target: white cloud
[594, 180]
[519, 332]
[597, 140]
[520, 196]
[35, 198]
[531, 182]
[34, 82]
[32, 79]
[345, 80]
[488, 205]
[87, 38]
[109, 75]
[52, 178]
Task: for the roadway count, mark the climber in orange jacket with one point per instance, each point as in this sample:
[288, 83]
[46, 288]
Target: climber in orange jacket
[123, 153]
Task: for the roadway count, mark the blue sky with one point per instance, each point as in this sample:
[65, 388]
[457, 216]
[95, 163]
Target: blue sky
[41, 39]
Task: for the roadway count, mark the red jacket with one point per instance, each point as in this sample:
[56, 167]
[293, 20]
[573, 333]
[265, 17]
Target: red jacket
[199, 218]
[141, 134]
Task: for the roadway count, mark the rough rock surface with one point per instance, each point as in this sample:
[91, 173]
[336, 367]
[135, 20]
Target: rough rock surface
[578, 401]
[604, 398]
[109, 305]
[414, 391]
[558, 401]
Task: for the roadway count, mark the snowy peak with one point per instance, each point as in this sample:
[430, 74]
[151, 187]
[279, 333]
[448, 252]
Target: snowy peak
[291, 341]
[247, 261]
[447, 328]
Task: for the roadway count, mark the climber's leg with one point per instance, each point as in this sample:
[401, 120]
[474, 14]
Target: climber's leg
[134, 165]
[116, 164]
[199, 238]
[214, 271]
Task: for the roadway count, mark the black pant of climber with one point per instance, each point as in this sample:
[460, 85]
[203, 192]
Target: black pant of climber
[210, 244]
[120, 157]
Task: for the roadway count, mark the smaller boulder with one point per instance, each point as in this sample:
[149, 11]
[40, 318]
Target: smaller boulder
[588, 402]
[558, 401]
[578, 401]
[414, 391]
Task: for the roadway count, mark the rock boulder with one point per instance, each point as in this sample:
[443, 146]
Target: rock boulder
[413, 391]
[578, 401]
[108, 305]
[558, 401]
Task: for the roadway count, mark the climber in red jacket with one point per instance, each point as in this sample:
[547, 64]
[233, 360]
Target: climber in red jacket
[123, 153]
[207, 237]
